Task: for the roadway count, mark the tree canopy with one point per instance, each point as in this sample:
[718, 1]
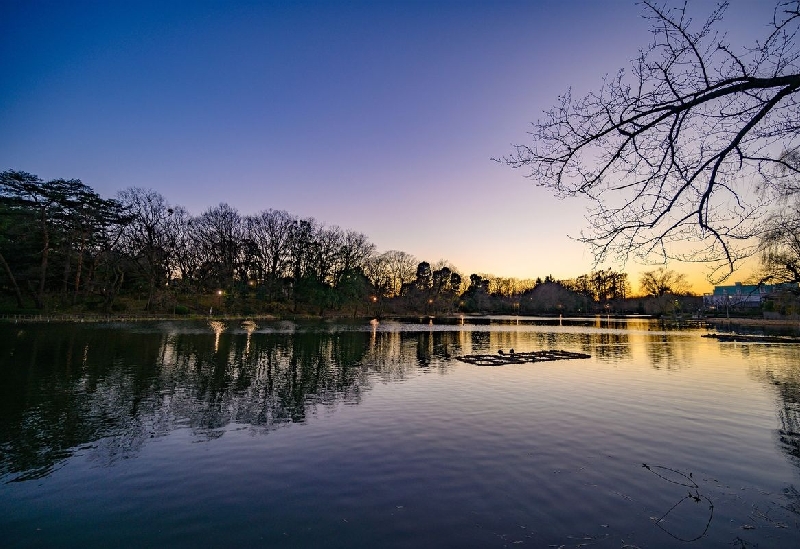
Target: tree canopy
[63, 248]
[687, 146]
[663, 281]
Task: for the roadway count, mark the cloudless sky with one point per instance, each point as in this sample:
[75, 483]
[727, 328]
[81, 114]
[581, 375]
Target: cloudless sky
[381, 117]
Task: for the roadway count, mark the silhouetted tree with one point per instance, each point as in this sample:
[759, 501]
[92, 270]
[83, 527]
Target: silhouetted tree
[602, 285]
[476, 297]
[675, 149]
[187, 258]
[354, 251]
[552, 298]
[10, 231]
[150, 238]
[354, 290]
[424, 280]
[270, 232]
[54, 220]
[780, 242]
[780, 247]
[219, 233]
[400, 268]
[663, 281]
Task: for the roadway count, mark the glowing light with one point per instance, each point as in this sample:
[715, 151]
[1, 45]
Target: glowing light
[249, 326]
[218, 327]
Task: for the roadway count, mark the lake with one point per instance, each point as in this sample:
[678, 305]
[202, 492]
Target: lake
[375, 434]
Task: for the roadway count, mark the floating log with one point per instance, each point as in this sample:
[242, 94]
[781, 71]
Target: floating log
[746, 338]
[520, 358]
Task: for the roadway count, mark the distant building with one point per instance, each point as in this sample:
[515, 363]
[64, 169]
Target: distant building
[742, 295]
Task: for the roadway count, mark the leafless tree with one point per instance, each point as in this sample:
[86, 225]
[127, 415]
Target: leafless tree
[269, 232]
[354, 251]
[663, 281]
[188, 259]
[218, 233]
[602, 285]
[377, 272]
[780, 241]
[682, 148]
[400, 269]
[780, 257]
[327, 242]
[150, 238]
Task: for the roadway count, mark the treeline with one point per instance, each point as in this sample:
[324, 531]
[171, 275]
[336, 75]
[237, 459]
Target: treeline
[64, 247]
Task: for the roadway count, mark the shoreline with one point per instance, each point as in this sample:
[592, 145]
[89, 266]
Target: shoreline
[79, 318]
[90, 318]
[742, 321]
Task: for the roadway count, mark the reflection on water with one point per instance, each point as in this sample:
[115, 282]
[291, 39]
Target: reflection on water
[218, 327]
[65, 386]
[556, 445]
[783, 373]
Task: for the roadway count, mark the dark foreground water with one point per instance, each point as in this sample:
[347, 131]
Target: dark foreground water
[376, 435]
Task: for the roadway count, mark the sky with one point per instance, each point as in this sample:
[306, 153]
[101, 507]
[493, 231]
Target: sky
[381, 117]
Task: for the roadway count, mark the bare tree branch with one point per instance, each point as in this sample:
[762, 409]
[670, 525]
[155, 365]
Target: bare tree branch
[679, 155]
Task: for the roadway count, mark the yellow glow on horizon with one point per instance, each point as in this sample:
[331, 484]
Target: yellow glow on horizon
[535, 256]
[697, 274]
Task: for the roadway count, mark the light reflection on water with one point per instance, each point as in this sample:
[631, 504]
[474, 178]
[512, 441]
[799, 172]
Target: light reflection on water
[375, 434]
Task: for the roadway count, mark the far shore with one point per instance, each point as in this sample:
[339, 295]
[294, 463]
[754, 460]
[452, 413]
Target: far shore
[744, 321]
[141, 317]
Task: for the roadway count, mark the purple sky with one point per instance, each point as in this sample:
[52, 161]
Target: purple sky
[377, 116]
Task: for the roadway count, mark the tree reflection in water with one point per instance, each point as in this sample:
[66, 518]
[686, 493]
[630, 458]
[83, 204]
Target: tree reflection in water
[784, 375]
[103, 391]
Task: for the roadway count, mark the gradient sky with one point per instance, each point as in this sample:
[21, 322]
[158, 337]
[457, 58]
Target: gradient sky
[380, 117]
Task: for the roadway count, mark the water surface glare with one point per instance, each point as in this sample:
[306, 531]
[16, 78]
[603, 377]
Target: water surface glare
[335, 434]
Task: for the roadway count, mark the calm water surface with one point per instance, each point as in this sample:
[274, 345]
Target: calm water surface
[375, 435]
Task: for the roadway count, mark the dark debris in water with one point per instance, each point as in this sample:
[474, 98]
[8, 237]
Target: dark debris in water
[520, 358]
[747, 338]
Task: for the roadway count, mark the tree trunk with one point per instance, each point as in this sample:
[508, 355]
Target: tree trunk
[13, 280]
[151, 290]
[67, 265]
[78, 272]
[115, 285]
[39, 296]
